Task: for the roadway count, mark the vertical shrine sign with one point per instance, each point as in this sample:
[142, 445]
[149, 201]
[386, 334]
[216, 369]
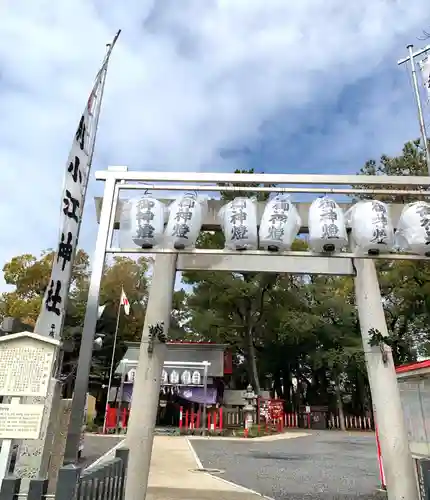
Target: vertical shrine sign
[53, 310]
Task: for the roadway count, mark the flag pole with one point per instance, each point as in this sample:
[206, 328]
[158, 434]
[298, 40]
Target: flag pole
[103, 70]
[112, 363]
[86, 348]
[411, 58]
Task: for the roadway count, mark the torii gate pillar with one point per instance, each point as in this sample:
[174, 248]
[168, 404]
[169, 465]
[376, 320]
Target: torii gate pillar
[397, 459]
[146, 390]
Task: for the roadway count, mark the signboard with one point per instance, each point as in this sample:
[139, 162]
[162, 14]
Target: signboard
[20, 421]
[276, 409]
[271, 409]
[307, 409]
[26, 364]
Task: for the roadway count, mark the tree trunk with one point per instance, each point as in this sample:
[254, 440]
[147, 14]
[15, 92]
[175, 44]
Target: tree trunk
[287, 385]
[277, 385]
[340, 406]
[252, 362]
[297, 391]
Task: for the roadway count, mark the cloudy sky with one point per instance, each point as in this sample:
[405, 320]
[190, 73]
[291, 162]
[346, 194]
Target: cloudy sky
[202, 85]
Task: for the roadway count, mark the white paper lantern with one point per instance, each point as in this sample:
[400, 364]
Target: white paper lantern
[186, 377]
[131, 375]
[186, 215]
[196, 378]
[164, 377]
[327, 230]
[371, 227]
[279, 224]
[238, 220]
[174, 377]
[142, 222]
[413, 230]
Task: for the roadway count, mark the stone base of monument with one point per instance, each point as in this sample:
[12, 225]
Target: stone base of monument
[59, 444]
[35, 456]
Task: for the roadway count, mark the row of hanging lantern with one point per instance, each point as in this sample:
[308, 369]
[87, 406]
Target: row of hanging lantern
[173, 378]
[148, 223]
[185, 378]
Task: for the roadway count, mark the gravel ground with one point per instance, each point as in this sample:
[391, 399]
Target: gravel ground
[322, 466]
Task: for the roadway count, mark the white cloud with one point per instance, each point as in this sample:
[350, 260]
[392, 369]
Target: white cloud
[187, 78]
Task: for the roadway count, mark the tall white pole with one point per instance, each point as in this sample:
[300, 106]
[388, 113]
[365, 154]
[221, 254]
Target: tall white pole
[146, 388]
[417, 94]
[90, 323]
[398, 464]
[112, 363]
[34, 456]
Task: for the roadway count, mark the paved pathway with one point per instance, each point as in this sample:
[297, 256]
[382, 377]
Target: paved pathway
[324, 465]
[174, 473]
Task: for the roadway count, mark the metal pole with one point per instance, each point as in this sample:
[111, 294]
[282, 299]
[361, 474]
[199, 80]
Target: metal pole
[90, 322]
[112, 364]
[297, 179]
[205, 394]
[146, 389]
[398, 464]
[419, 106]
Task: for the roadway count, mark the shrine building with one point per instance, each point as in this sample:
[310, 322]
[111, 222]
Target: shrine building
[181, 387]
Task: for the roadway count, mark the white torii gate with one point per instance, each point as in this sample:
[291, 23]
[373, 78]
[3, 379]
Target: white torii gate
[399, 468]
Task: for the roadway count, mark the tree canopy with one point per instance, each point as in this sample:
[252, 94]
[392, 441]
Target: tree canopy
[30, 275]
[300, 334]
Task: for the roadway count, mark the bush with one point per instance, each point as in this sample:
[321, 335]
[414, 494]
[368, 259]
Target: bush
[92, 427]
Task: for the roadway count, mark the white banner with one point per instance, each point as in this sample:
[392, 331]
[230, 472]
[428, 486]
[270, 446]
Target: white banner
[425, 72]
[53, 310]
[52, 313]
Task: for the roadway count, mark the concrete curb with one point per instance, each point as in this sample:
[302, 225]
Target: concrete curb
[273, 437]
[106, 456]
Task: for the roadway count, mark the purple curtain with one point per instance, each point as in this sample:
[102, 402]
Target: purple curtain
[197, 395]
[192, 394]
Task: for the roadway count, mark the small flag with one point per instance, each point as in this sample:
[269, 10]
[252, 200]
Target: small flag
[125, 302]
[425, 72]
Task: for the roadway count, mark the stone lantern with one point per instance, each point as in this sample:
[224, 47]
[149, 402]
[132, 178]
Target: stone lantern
[249, 408]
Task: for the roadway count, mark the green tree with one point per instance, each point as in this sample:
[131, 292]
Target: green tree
[302, 333]
[412, 161]
[404, 284]
[236, 308]
[30, 277]
[339, 348]
[123, 273]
